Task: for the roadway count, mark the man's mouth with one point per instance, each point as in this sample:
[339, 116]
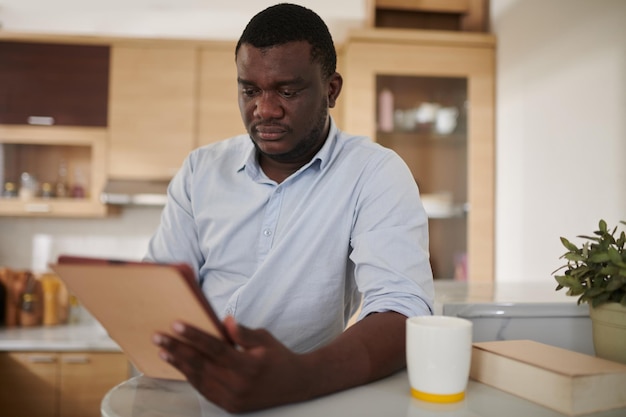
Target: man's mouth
[270, 132]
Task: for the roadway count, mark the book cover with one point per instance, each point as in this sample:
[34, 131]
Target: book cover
[566, 381]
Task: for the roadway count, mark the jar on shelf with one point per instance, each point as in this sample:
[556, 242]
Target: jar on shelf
[28, 186]
[46, 190]
[9, 190]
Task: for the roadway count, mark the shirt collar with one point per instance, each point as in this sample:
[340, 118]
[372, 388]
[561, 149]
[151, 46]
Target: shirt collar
[323, 155]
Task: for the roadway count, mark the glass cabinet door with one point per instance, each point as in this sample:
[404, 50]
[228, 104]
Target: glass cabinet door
[430, 97]
[424, 119]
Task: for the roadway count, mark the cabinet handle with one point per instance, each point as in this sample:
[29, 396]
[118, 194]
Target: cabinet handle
[76, 359]
[37, 208]
[41, 120]
[41, 359]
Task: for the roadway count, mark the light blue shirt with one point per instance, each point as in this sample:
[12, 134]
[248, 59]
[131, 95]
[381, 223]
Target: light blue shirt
[295, 257]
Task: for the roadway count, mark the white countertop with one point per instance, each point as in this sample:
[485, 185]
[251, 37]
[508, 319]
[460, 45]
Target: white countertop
[537, 291]
[87, 335]
[141, 396]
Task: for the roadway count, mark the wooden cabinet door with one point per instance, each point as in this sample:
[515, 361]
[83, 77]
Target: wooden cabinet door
[412, 63]
[218, 111]
[152, 110]
[28, 384]
[56, 84]
[85, 378]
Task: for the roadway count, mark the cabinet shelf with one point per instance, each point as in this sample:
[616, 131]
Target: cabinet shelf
[422, 138]
[62, 207]
[453, 212]
[39, 150]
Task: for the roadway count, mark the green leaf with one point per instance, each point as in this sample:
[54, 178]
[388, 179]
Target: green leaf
[601, 299]
[609, 270]
[614, 255]
[599, 257]
[594, 292]
[615, 284]
[574, 257]
[570, 246]
[592, 238]
[602, 226]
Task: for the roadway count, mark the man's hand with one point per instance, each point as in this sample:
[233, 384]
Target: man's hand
[260, 372]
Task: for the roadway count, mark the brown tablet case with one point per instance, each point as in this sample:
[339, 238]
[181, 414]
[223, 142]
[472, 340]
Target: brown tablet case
[133, 300]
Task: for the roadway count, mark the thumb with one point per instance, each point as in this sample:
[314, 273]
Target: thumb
[242, 336]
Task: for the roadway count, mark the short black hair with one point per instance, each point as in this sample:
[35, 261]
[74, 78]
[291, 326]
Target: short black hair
[284, 23]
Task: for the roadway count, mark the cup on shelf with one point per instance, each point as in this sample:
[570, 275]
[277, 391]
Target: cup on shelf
[427, 112]
[446, 120]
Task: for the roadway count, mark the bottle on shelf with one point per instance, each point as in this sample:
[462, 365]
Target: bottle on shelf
[61, 187]
[385, 111]
[10, 190]
[29, 186]
[46, 190]
[78, 188]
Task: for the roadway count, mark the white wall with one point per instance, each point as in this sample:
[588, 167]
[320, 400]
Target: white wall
[214, 19]
[561, 111]
[561, 127]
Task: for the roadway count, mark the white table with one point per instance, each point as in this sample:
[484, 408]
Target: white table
[146, 397]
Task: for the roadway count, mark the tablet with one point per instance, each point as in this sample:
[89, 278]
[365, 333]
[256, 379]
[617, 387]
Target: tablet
[133, 300]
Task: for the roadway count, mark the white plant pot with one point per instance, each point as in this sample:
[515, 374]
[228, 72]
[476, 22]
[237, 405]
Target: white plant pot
[609, 331]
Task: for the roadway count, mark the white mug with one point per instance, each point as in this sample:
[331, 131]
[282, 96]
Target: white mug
[438, 353]
[445, 120]
[426, 112]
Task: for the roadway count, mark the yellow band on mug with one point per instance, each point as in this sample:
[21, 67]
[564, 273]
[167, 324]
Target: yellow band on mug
[437, 398]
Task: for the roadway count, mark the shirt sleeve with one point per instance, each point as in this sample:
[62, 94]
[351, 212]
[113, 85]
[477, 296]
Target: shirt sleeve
[390, 242]
[176, 238]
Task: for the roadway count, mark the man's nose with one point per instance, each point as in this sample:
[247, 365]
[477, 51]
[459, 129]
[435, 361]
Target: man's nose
[268, 106]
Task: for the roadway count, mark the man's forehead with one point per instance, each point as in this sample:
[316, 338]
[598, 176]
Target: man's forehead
[247, 49]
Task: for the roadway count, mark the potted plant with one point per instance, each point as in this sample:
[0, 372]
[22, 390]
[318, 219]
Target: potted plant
[596, 273]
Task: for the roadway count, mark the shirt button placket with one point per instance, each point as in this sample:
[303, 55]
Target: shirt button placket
[270, 221]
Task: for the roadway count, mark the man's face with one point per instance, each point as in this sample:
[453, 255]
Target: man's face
[284, 100]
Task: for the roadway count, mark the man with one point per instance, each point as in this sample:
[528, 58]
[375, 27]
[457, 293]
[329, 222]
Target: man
[287, 226]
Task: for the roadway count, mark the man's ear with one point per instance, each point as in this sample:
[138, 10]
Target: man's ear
[334, 88]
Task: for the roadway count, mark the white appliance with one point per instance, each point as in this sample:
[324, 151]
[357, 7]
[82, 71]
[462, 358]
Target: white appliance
[509, 311]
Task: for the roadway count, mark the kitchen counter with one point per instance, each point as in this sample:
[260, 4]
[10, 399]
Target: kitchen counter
[532, 291]
[390, 397]
[452, 298]
[86, 336]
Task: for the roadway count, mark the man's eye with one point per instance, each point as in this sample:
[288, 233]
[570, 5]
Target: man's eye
[249, 92]
[288, 93]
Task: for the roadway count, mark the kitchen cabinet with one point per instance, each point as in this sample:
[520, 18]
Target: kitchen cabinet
[429, 95]
[44, 151]
[58, 384]
[152, 110]
[465, 15]
[218, 111]
[53, 84]
[53, 117]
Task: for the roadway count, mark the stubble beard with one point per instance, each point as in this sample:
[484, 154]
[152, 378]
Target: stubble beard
[311, 142]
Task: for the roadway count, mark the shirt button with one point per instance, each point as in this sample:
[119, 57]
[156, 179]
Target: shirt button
[267, 232]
